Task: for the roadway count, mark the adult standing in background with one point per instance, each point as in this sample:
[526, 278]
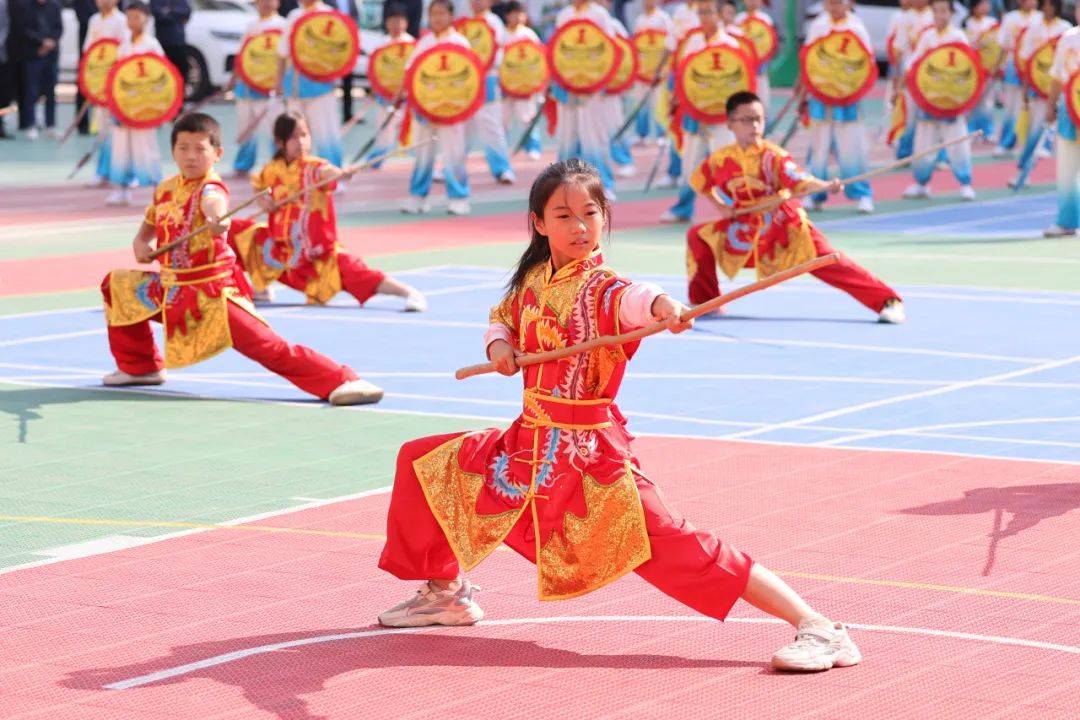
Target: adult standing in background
[35, 39]
[414, 11]
[7, 67]
[84, 10]
[170, 16]
[346, 7]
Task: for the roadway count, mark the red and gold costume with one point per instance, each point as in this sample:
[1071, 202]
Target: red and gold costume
[298, 246]
[202, 298]
[769, 242]
[561, 485]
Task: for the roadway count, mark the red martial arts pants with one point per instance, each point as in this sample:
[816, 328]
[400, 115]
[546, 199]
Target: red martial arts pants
[845, 275]
[692, 566]
[357, 278]
[136, 353]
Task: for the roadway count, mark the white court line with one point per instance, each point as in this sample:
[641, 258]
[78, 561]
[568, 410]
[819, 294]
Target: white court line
[904, 398]
[55, 336]
[186, 669]
[927, 430]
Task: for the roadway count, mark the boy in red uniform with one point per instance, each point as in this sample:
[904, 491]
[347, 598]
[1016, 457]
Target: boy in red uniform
[200, 295]
[745, 173]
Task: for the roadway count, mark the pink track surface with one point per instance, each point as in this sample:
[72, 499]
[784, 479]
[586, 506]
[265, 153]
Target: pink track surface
[71, 628]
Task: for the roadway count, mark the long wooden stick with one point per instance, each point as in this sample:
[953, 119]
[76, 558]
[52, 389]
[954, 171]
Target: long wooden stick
[206, 226]
[252, 126]
[628, 337]
[657, 77]
[795, 94]
[75, 123]
[394, 110]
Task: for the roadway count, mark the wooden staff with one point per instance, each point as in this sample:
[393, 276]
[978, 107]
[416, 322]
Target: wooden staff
[252, 126]
[74, 123]
[203, 228]
[520, 145]
[628, 337]
[632, 118]
[795, 95]
[394, 110]
[772, 202]
[354, 120]
[81, 163]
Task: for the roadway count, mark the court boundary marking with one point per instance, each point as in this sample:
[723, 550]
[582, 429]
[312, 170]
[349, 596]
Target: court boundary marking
[225, 658]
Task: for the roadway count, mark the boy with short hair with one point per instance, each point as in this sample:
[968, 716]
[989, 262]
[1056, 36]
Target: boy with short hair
[751, 171]
[200, 295]
[521, 110]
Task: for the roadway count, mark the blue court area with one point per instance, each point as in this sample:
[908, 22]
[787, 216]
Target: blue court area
[976, 371]
[1014, 216]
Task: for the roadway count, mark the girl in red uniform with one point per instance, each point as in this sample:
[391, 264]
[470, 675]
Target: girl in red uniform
[561, 485]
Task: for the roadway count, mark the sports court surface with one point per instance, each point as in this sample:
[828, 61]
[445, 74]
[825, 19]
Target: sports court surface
[208, 549]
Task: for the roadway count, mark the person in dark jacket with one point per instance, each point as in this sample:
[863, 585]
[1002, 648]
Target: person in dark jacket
[35, 42]
[7, 66]
[170, 16]
[84, 9]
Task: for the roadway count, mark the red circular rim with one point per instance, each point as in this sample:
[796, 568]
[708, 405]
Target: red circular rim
[165, 116]
[627, 49]
[920, 99]
[637, 51]
[684, 101]
[853, 97]
[462, 22]
[465, 114]
[555, 72]
[1070, 88]
[772, 34]
[337, 74]
[1052, 43]
[547, 69]
[240, 62]
[681, 44]
[978, 41]
[748, 48]
[377, 86]
[102, 99]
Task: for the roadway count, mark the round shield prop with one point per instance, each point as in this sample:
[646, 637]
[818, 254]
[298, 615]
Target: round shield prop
[583, 57]
[990, 51]
[524, 71]
[481, 37]
[838, 68]
[94, 68]
[627, 69]
[763, 35]
[707, 78]
[649, 46]
[386, 68]
[1037, 68]
[324, 45]
[257, 61]
[145, 91]
[445, 84]
[1072, 98]
[947, 81]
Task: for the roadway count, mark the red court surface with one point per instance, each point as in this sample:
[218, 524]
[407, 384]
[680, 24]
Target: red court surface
[958, 570]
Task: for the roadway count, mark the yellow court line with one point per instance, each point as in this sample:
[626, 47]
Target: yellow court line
[957, 589]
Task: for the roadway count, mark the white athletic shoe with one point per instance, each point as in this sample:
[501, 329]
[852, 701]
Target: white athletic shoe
[1056, 231]
[819, 645]
[355, 392]
[413, 205]
[507, 178]
[1042, 153]
[460, 206]
[119, 378]
[915, 191]
[625, 171]
[533, 154]
[1000, 152]
[893, 312]
[670, 218]
[1013, 182]
[435, 607]
[865, 205]
[667, 182]
[415, 301]
[119, 197]
[967, 193]
[263, 296]
[31, 133]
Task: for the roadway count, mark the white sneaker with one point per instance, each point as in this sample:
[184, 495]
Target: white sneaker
[263, 296]
[663, 142]
[533, 154]
[356, 392]
[119, 197]
[507, 178]
[818, 646]
[1000, 152]
[625, 171]
[865, 205]
[667, 182]
[435, 607]
[119, 378]
[1013, 182]
[1056, 231]
[967, 193]
[413, 205]
[893, 312]
[915, 191]
[1042, 153]
[415, 301]
[459, 206]
[31, 133]
[670, 218]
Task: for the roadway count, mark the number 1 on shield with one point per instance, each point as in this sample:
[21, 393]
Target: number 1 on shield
[716, 61]
[444, 65]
